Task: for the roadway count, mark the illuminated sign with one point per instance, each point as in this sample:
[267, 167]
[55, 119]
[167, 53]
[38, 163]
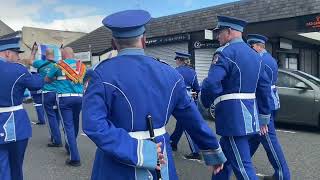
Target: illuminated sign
[314, 23]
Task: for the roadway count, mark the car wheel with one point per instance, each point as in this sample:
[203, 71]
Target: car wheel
[212, 111]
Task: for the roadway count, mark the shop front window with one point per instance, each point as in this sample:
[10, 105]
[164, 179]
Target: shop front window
[292, 62]
[289, 61]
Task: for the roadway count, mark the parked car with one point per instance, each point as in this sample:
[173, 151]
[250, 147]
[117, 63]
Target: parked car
[299, 94]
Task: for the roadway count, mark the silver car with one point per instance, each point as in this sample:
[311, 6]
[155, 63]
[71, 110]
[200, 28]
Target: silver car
[299, 94]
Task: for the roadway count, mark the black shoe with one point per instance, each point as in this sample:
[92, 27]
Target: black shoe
[73, 163]
[40, 123]
[193, 156]
[174, 147]
[54, 145]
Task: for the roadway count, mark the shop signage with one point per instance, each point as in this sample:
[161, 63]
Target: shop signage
[310, 23]
[83, 56]
[315, 23]
[208, 34]
[168, 39]
[205, 45]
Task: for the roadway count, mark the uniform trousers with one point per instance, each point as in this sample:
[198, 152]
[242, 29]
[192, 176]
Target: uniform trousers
[11, 160]
[69, 110]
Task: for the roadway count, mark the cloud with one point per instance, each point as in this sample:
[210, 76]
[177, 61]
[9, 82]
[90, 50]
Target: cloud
[14, 13]
[70, 11]
[81, 24]
[77, 18]
[15, 10]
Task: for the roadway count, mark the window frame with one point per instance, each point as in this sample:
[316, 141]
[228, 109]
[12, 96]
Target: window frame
[296, 77]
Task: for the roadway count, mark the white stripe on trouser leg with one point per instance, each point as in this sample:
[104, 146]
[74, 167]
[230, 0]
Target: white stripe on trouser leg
[238, 158]
[193, 149]
[64, 130]
[37, 105]
[165, 167]
[275, 156]
[141, 152]
[138, 152]
[46, 117]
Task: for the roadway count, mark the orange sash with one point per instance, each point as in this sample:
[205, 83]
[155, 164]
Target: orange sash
[75, 75]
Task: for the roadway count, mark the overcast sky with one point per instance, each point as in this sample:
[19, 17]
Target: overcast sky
[86, 15]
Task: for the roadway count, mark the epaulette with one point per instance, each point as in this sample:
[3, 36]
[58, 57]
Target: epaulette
[112, 54]
[164, 62]
[95, 66]
[101, 62]
[158, 59]
[20, 64]
[190, 66]
[220, 49]
[23, 66]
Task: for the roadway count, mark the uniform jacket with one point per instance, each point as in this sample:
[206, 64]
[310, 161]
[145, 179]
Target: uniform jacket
[190, 78]
[271, 69]
[15, 124]
[119, 95]
[237, 69]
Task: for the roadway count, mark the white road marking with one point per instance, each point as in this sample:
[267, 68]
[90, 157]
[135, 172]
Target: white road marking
[285, 131]
[260, 175]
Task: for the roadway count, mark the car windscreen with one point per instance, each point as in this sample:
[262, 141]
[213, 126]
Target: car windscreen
[309, 77]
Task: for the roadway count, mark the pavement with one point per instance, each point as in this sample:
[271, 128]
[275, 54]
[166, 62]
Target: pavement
[300, 144]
